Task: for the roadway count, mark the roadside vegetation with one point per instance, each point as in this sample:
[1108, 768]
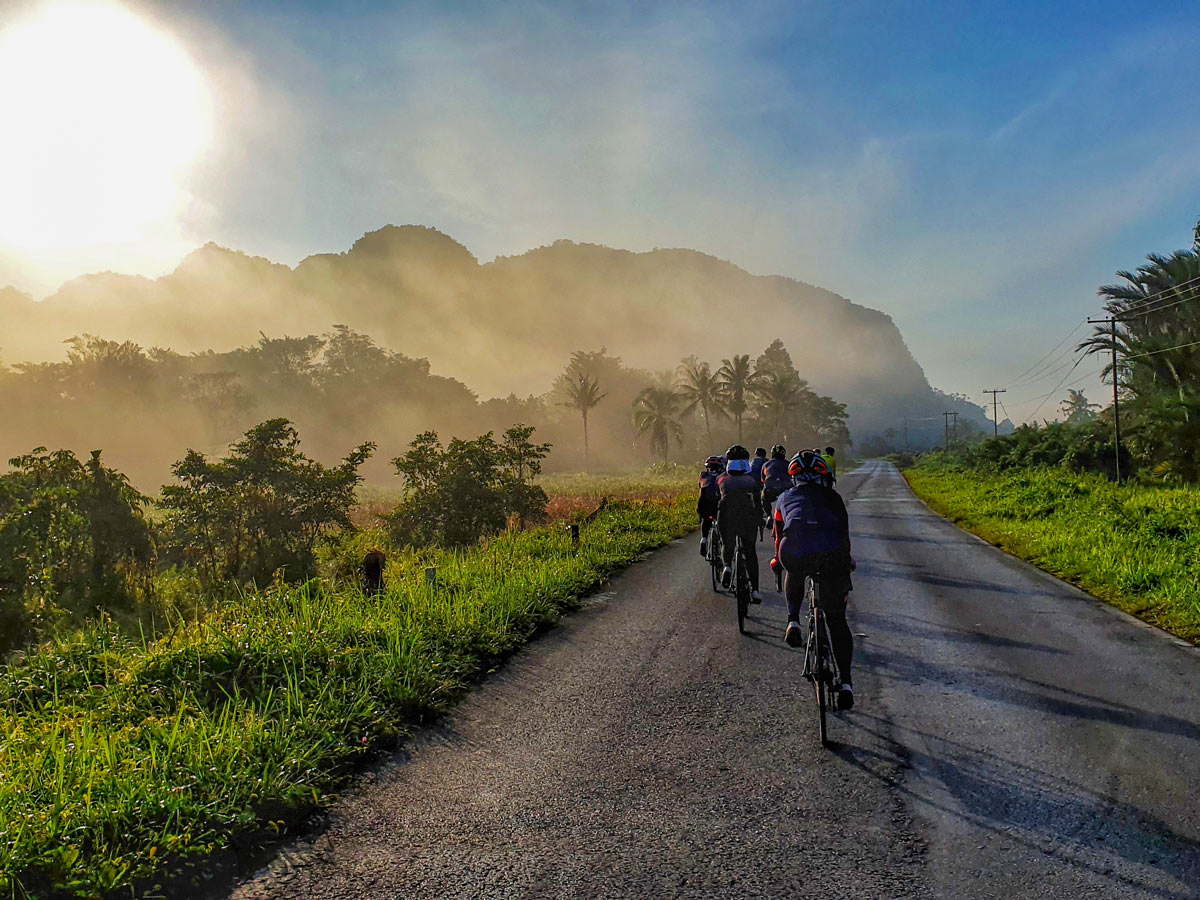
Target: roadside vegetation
[1050, 492]
[199, 672]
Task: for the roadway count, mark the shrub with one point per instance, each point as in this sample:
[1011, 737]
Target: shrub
[259, 510]
[72, 538]
[456, 494]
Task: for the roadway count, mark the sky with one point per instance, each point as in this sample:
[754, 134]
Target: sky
[975, 170]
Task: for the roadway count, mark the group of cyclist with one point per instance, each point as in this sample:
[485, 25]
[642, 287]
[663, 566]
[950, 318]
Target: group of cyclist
[809, 524]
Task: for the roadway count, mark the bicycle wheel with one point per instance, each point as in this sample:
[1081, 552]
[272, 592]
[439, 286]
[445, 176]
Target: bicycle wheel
[714, 557]
[819, 679]
[741, 584]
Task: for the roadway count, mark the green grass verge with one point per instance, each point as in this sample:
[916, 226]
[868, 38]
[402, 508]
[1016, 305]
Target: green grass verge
[1136, 547]
[122, 761]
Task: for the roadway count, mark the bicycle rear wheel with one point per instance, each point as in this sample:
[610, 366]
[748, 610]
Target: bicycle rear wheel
[741, 585]
[819, 679]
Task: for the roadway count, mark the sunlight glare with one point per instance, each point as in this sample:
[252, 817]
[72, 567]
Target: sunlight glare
[102, 116]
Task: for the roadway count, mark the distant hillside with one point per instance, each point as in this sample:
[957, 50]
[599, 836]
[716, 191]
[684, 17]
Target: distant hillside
[501, 327]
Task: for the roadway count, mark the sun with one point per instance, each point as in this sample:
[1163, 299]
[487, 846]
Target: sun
[102, 118]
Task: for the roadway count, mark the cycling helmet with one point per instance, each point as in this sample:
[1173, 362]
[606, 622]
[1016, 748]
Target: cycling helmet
[739, 459]
[761, 452]
[714, 464]
[808, 466]
[779, 452]
[829, 450]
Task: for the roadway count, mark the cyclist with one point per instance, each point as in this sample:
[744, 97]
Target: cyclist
[738, 515]
[831, 461]
[775, 477]
[812, 537]
[710, 497]
[756, 464]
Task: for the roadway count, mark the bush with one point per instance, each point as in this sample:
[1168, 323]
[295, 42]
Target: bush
[260, 510]
[72, 539]
[455, 495]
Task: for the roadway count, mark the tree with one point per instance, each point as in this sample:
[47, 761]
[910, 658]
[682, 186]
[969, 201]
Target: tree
[699, 388]
[261, 509]
[583, 394]
[780, 393]
[455, 495]
[73, 538]
[1158, 366]
[737, 380]
[1077, 409]
[655, 413]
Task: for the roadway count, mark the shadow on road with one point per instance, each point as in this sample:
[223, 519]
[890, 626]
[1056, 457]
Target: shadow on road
[1045, 813]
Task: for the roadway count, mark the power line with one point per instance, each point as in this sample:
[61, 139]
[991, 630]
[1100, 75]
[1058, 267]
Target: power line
[1069, 335]
[1163, 350]
[1048, 373]
[1158, 309]
[1150, 298]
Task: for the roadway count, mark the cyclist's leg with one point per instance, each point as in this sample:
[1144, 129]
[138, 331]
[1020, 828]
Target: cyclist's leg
[833, 602]
[750, 554]
[728, 536]
[793, 582]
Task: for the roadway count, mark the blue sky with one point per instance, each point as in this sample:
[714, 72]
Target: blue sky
[975, 170]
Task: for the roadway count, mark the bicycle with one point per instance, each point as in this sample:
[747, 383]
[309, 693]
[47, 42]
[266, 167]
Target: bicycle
[714, 555]
[820, 667]
[741, 583]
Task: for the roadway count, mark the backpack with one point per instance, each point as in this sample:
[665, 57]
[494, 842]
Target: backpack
[810, 523]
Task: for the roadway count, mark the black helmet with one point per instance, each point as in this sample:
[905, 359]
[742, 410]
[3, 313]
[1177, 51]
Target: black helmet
[779, 452]
[828, 449]
[761, 451]
[737, 451]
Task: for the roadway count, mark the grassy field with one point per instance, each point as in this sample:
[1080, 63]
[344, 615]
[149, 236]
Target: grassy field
[123, 761]
[571, 496]
[1136, 547]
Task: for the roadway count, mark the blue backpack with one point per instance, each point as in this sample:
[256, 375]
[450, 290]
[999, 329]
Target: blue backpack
[810, 524]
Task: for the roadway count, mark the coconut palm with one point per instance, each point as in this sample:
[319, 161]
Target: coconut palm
[583, 394]
[1156, 310]
[655, 413]
[699, 388]
[1077, 408]
[737, 379]
[779, 393]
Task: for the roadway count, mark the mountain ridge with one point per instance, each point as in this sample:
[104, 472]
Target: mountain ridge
[504, 326]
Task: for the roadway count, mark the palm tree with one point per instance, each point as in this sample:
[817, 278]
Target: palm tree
[737, 379]
[699, 388]
[780, 393]
[1077, 408]
[654, 413]
[583, 394]
[1156, 314]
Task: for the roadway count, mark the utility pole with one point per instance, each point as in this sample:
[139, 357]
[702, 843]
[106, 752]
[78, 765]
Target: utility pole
[906, 434]
[995, 417]
[946, 416]
[1111, 321]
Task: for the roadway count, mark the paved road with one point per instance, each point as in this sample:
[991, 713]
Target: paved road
[1013, 738]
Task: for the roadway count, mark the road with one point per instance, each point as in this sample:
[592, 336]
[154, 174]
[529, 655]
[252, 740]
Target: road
[1013, 738]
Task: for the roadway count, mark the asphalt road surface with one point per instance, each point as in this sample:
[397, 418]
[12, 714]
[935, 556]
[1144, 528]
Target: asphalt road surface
[1012, 738]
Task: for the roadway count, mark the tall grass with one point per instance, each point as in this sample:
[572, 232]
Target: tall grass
[1137, 547]
[120, 758]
